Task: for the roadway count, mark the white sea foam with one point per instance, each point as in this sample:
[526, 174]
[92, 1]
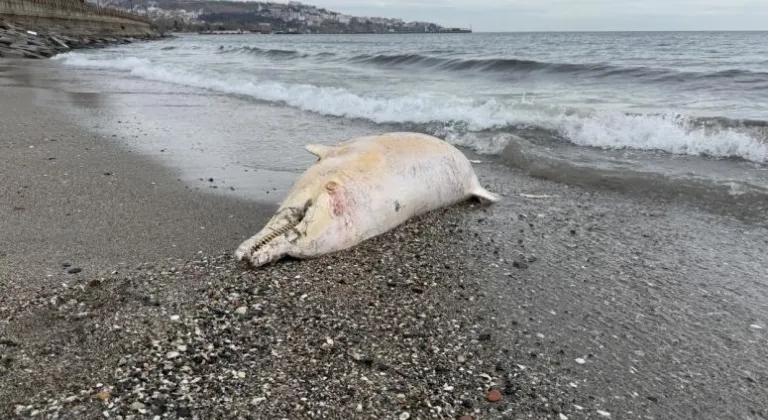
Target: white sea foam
[604, 129]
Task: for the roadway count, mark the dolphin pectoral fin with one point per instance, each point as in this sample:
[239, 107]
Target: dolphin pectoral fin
[319, 150]
[484, 195]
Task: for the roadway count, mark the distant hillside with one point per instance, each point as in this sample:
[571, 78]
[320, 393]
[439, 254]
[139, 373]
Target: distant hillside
[292, 17]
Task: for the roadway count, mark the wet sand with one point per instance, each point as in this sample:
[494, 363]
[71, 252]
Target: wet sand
[70, 197]
[581, 304]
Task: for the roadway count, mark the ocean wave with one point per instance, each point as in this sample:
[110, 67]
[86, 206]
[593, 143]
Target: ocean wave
[449, 115]
[268, 52]
[511, 65]
[487, 65]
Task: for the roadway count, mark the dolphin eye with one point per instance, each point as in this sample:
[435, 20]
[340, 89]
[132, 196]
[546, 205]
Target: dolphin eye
[332, 186]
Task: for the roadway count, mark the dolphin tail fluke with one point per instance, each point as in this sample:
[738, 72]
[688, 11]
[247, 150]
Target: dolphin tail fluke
[319, 150]
[484, 195]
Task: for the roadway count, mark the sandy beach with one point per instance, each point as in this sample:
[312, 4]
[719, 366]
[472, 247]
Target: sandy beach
[119, 298]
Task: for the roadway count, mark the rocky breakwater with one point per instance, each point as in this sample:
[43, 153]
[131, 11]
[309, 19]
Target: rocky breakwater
[17, 41]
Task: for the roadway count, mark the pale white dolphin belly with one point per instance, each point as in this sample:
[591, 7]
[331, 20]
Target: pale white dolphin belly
[362, 188]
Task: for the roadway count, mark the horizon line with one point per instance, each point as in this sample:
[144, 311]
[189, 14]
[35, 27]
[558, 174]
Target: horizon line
[618, 30]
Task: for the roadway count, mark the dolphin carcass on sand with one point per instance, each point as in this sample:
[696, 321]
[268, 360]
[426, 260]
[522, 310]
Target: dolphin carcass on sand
[361, 188]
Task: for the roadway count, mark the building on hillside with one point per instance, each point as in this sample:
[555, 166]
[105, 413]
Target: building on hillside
[265, 28]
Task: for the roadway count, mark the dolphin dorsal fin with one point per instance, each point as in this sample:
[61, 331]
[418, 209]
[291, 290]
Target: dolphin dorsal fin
[319, 150]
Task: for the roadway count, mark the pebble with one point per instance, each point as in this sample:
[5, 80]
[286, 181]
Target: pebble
[103, 395]
[494, 396]
[138, 406]
[241, 310]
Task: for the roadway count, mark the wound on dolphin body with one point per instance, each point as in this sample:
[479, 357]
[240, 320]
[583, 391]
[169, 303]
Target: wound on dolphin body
[338, 197]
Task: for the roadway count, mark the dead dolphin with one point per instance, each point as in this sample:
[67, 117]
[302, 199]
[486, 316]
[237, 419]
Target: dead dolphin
[361, 188]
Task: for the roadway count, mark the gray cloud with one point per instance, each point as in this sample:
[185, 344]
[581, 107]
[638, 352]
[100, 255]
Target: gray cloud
[549, 15]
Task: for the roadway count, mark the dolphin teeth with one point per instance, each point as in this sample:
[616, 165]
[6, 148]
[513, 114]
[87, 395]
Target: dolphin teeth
[296, 216]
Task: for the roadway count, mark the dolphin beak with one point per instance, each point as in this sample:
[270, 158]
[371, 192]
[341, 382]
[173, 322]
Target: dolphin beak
[276, 239]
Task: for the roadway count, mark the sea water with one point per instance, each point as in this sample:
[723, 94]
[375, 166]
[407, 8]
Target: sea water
[685, 107]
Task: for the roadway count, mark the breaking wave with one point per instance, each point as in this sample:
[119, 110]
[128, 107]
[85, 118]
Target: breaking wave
[454, 117]
[513, 66]
[274, 53]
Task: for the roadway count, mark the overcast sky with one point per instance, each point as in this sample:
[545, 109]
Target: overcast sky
[567, 15]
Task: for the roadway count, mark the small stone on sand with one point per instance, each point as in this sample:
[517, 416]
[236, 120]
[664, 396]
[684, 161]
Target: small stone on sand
[494, 396]
[103, 395]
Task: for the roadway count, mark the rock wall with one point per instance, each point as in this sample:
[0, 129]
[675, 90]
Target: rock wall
[74, 18]
[17, 41]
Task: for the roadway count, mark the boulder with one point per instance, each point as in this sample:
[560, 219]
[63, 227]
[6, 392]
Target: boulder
[7, 53]
[59, 42]
[29, 54]
[38, 51]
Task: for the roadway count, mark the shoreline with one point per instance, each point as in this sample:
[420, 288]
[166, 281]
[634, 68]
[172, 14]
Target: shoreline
[573, 305]
[73, 197]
